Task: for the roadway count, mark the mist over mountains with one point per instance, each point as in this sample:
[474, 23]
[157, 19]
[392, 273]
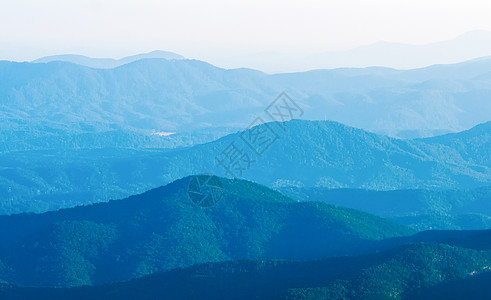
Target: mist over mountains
[179, 95]
[467, 46]
[382, 190]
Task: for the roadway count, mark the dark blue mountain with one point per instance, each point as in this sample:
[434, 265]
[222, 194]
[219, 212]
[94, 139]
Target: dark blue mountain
[419, 271]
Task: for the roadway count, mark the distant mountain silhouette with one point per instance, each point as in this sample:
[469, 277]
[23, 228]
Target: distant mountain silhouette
[106, 63]
[404, 56]
[470, 45]
[183, 95]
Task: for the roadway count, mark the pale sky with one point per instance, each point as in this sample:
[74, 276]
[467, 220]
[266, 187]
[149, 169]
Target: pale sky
[210, 30]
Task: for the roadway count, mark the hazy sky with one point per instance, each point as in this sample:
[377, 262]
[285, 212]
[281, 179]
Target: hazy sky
[211, 29]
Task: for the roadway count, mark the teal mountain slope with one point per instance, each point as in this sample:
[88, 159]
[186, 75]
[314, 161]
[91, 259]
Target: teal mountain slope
[306, 154]
[162, 229]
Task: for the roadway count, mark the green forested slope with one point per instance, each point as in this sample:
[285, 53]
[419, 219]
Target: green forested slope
[162, 229]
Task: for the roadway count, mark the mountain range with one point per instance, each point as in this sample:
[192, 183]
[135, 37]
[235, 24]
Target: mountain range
[162, 244]
[456, 268]
[106, 63]
[164, 229]
[225, 192]
[321, 153]
[470, 45]
[178, 95]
